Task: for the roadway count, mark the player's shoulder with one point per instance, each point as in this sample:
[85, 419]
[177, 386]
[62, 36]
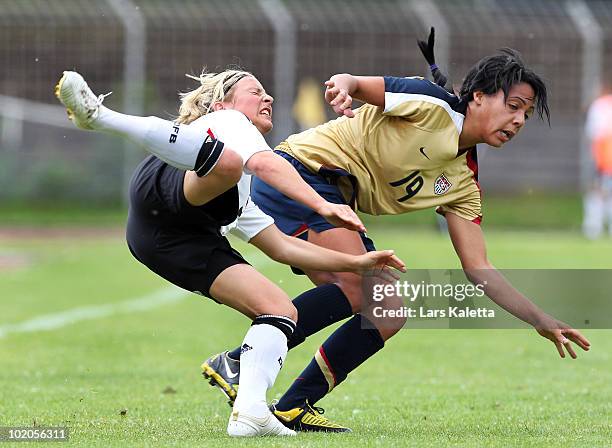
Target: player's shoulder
[416, 85]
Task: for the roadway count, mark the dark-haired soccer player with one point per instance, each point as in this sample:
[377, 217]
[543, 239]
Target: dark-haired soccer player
[411, 146]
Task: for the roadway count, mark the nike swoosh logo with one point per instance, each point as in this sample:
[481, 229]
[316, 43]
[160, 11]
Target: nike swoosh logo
[423, 152]
[230, 374]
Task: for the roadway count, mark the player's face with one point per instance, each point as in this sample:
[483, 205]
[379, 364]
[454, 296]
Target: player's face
[249, 97]
[502, 118]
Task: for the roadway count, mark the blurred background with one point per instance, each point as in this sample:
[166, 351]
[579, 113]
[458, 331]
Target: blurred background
[141, 50]
[92, 340]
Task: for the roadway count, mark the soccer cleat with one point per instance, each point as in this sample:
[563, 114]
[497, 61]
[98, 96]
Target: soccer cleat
[223, 372]
[82, 105]
[243, 425]
[307, 418]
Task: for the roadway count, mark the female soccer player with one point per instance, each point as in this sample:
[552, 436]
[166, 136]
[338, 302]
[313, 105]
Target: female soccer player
[194, 189]
[410, 147]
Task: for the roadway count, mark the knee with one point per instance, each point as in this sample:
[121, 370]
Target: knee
[282, 307]
[350, 284]
[287, 310]
[352, 287]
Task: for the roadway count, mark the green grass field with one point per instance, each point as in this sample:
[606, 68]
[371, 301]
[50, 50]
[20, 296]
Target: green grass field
[426, 388]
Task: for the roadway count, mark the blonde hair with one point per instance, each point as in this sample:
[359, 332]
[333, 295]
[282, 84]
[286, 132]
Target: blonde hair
[214, 87]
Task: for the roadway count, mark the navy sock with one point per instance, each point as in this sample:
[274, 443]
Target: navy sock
[340, 354]
[317, 308]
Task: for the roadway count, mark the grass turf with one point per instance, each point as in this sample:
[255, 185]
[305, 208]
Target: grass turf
[426, 388]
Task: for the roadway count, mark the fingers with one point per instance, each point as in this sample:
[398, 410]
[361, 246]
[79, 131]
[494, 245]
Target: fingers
[349, 216]
[577, 337]
[397, 263]
[569, 348]
[343, 216]
[354, 220]
[563, 338]
[349, 223]
[339, 99]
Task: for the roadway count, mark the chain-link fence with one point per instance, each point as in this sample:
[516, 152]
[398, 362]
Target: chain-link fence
[146, 47]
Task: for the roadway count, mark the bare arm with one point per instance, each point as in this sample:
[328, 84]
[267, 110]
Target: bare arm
[469, 243]
[342, 88]
[277, 172]
[307, 256]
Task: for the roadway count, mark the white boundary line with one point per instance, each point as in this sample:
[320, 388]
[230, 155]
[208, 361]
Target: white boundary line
[165, 296]
[53, 321]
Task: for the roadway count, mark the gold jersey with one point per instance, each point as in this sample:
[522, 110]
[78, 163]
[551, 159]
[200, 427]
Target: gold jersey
[399, 158]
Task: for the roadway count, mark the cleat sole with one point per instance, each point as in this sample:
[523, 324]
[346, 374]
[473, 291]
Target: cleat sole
[214, 379]
[58, 90]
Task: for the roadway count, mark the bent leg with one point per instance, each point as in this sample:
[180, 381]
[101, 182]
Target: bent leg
[264, 347]
[352, 343]
[243, 288]
[353, 285]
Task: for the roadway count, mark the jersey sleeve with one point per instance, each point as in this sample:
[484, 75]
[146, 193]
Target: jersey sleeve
[403, 95]
[251, 222]
[468, 207]
[237, 132]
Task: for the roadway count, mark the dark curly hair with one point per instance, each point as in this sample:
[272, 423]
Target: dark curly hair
[500, 72]
[491, 74]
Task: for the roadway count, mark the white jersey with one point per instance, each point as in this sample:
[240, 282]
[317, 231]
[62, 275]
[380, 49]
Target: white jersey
[235, 130]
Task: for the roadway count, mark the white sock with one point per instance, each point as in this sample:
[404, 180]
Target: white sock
[263, 353]
[176, 145]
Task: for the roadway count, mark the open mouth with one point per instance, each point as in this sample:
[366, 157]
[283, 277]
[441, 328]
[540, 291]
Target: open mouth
[267, 112]
[506, 135]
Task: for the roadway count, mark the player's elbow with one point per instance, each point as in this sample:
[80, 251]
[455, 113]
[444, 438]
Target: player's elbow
[262, 164]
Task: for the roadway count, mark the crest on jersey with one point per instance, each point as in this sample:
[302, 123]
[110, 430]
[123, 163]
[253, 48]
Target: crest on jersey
[442, 185]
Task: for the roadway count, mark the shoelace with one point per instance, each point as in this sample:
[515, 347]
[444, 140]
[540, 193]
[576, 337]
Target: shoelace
[313, 409]
[101, 98]
[97, 103]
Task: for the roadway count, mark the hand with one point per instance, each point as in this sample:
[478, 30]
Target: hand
[561, 334]
[339, 99]
[380, 264]
[341, 215]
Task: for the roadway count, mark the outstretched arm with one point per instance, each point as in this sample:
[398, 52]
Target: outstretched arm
[277, 172]
[340, 90]
[304, 255]
[469, 244]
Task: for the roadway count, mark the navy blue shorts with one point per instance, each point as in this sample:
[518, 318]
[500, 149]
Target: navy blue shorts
[293, 218]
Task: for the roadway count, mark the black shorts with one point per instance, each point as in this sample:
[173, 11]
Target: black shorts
[174, 239]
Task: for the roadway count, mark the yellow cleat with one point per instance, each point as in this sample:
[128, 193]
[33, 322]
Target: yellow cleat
[307, 418]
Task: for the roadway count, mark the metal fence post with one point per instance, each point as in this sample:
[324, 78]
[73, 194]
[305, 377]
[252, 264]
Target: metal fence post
[134, 78]
[285, 63]
[592, 54]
